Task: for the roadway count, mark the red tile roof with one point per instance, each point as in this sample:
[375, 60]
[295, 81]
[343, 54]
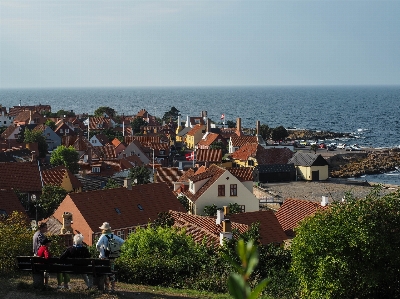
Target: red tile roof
[293, 211]
[246, 151]
[195, 129]
[22, 176]
[270, 229]
[209, 155]
[262, 155]
[208, 139]
[120, 207]
[168, 175]
[243, 174]
[202, 227]
[55, 176]
[239, 141]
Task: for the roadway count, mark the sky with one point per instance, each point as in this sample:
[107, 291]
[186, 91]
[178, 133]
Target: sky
[130, 43]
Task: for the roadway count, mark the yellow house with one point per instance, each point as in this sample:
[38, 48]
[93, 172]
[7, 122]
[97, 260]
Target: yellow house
[194, 136]
[62, 177]
[310, 167]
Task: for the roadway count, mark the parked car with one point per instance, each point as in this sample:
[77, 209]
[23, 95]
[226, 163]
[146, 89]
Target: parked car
[331, 147]
[342, 145]
[322, 145]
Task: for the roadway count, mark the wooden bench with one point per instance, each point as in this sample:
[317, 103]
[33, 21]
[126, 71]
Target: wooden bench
[98, 268]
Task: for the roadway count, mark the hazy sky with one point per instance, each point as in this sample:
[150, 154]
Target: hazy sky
[83, 43]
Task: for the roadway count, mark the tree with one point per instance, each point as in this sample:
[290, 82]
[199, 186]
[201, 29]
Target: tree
[137, 123]
[36, 136]
[51, 124]
[210, 210]
[279, 133]
[101, 110]
[314, 147]
[61, 113]
[140, 175]
[50, 200]
[112, 184]
[172, 114]
[234, 208]
[66, 156]
[351, 249]
[230, 124]
[184, 201]
[265, 132]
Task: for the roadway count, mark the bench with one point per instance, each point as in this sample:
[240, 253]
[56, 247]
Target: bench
[98, 268]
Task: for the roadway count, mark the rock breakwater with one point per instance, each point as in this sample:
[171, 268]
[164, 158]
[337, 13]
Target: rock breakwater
[372, 162]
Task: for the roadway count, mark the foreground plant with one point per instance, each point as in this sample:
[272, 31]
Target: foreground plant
[238, 283]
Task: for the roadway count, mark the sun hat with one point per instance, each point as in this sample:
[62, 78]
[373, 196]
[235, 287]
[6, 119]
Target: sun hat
[105, 226]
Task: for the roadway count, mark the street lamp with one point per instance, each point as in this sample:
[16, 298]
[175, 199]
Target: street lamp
[33, 198]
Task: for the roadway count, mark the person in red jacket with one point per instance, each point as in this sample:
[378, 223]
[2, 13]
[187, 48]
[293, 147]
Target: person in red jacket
[43, 251]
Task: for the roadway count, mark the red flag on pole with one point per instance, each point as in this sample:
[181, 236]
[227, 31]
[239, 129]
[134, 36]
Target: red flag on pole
[190, 156]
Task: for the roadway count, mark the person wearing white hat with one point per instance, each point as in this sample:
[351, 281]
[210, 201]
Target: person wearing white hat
[102, 245]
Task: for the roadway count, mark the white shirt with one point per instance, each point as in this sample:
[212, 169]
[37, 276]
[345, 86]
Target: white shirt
[103, 242]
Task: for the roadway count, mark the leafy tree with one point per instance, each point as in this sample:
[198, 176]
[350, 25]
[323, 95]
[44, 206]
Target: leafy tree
[140, 175]
[230, 124]
[164, 219]
[66, 156]
[172, 114]
[184, 201]
[50, 200]
[16, 239]
[265, 131]
[51, 124]
[67, 113]
[112, 184]
[351, 249]
[101, 110]
[219, 145]
[137, 123]
[279, 133]
[210, 210]
[36, 136]
[234, 208]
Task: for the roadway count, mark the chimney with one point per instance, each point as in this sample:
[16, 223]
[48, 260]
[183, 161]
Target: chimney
[239, 124]
[226, 233]
[324, 201]
[187, 122]
[208, 125]
[226, 210]
[128, 184]
[220, 217]
[33, 156]
[179, 121]
[257, 127]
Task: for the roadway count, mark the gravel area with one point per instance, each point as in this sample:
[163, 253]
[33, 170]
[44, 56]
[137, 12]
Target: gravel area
[334, 190]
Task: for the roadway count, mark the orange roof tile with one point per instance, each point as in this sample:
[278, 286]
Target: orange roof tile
[293, 211]
[243, 174]
[168, 175]
[55, 176]
[195, 129]
[209, 155]
[239, 141]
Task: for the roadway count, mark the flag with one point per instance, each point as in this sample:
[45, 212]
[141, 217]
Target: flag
[190, 156]
[222, 116]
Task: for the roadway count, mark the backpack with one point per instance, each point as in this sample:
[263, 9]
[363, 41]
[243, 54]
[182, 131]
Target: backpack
[113, 249]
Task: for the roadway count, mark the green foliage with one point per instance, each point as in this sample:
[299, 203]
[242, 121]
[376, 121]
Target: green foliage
[172, 114]
[101, 110]
[111, 134]
[51, 124]
[36, 136]
[234, 208]
[238, 283]
[137, 123]
[265, 131]
[160, 255]
[350, 250]
[184, 201]
[210, 210]
[50, 200]
[140, 175]
[164, 219]
[279, 133]
[16, 239]
[112, 184]
[66, 156]
[314, 148]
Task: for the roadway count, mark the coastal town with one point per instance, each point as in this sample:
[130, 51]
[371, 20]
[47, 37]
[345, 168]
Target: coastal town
[211, 178]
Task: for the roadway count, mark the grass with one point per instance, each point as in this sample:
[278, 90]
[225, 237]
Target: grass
[19, 285]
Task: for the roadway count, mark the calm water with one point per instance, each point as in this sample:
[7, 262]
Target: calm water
[371, 113]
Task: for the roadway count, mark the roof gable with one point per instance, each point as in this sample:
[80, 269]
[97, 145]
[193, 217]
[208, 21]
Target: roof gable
[307, 159]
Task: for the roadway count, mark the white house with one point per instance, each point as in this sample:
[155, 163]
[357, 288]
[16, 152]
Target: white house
[220, 187]
[135, 148]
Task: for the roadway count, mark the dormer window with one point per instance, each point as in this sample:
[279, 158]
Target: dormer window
[95, 169]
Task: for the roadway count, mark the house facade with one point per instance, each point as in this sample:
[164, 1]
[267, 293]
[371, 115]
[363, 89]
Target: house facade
[310, 167]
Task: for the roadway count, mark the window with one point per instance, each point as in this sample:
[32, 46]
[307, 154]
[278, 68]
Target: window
[61, 131]
[162, 152]
[66, 130]
[250, 163]
[233, 190]
[221, 190]
[95, 169]
[5, 122]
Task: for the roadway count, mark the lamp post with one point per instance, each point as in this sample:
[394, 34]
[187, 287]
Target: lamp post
[33, 198]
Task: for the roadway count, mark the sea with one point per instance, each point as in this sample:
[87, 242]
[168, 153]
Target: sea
[370, 113]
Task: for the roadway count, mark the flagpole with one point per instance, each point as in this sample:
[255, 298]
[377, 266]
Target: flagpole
[193, 158]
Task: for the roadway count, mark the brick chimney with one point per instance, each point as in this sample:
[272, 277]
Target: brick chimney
[226, 233]
[239, 124]
[208, 129]
[324, 201]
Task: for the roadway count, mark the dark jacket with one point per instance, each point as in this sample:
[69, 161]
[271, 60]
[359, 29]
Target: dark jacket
[76, 251]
